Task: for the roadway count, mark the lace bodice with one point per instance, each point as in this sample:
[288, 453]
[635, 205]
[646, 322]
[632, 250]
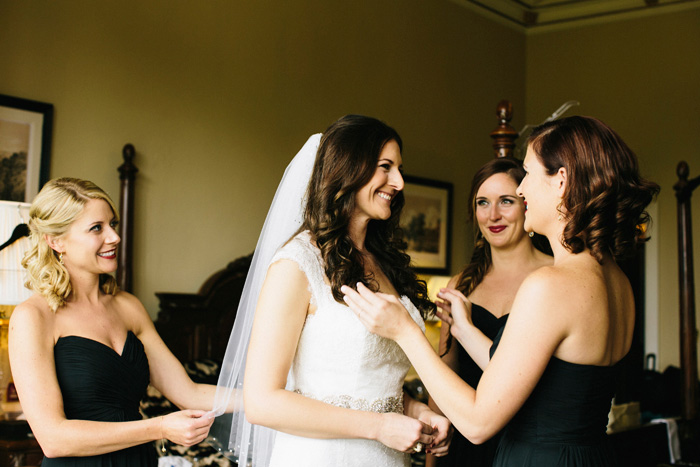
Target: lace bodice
[337, 359]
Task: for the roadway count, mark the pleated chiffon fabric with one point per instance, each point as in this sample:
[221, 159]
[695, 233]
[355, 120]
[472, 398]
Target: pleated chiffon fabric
[564, 421]
[99, 384]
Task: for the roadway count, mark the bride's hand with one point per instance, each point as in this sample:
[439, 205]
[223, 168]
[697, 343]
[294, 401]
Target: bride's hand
[442, 431]
[456, 310]
[381, 313]
[402, 433]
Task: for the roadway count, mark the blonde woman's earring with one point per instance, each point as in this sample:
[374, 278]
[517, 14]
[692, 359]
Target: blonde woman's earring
[60, 258]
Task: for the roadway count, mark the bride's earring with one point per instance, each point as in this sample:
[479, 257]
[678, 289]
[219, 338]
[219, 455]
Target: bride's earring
[531, 234]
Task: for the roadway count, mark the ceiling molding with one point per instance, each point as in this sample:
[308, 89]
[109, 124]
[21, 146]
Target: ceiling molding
[533, 15]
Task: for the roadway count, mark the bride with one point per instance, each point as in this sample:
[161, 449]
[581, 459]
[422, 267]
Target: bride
[330, 390]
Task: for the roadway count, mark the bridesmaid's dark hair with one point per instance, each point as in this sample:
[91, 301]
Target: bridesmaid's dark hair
[605, 197]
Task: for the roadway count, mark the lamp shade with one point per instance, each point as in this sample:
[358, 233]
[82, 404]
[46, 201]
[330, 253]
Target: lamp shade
[12, 274]
[435, 283]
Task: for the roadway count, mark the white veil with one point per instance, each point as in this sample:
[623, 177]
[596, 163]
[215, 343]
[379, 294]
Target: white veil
[231, 432]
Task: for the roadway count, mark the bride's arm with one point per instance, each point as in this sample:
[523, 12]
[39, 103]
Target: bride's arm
[279, 319]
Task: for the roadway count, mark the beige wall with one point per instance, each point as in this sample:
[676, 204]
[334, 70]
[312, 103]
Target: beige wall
[642, 77]
[217, 97]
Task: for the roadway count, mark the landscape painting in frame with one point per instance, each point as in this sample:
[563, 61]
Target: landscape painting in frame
[426, 224]
[25, 147]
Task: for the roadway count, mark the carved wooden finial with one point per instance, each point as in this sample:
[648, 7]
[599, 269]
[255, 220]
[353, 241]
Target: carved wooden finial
[128, 152]
[504, 135]
[128, 170]
[684, 188]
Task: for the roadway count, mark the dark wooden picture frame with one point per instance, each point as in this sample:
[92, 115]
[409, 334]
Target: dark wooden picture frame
[25, 147]
[426, 221]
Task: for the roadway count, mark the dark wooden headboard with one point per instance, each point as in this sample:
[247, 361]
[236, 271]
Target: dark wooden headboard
[198, 326]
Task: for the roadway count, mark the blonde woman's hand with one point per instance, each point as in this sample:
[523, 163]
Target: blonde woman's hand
[455, 310]
[402, 433]
[381, 313]
[186, 427]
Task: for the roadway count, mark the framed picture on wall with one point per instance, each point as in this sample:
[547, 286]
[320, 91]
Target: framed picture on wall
[25, 147]
[426, 222]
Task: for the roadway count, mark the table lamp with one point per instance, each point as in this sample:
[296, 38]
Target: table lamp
[14, 243]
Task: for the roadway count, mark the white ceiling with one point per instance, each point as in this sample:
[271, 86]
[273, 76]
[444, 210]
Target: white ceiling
[532, 14]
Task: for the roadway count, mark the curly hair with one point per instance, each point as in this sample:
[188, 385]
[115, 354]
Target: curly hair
[605, 197]
[52, 212]
[345, 162]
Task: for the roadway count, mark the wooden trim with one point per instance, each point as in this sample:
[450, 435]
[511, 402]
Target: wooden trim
[127, 175]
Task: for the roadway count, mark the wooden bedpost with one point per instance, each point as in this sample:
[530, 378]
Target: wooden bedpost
[689, 429]
[504, 135]
[127, 175]
[686, 287]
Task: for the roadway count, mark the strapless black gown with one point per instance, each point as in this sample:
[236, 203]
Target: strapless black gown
[564, 421]
[462, 451]
[98, 384]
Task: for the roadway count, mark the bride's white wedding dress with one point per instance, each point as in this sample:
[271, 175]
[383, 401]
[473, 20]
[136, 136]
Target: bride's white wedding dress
[339, 362]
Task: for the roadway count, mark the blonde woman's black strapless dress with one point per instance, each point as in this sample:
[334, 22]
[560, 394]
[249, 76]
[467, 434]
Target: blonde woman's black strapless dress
[98, 384]
[564, 421]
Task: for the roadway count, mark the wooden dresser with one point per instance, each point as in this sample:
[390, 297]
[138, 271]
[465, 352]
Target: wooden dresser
[18, 446]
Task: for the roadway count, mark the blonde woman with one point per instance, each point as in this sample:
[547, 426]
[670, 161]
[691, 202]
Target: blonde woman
[83, 352]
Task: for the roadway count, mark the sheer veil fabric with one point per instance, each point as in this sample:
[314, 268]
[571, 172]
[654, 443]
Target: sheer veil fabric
[231, 432]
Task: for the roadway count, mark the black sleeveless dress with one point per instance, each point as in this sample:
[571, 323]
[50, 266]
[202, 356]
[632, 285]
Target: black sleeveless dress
[564, 421]
[462, 452]
[98, 384]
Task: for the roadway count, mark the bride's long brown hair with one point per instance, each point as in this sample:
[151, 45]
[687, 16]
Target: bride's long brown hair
[345, 162]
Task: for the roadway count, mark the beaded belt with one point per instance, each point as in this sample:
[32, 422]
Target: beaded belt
[383, 405]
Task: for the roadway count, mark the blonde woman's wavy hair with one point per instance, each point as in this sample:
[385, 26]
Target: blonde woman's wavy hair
[53, 211]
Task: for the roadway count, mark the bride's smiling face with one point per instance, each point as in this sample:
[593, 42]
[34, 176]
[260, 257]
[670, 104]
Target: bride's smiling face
[373, 200]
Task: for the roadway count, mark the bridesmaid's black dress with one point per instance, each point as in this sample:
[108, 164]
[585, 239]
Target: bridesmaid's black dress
[462, 452]
[98, 384]
[564, 421]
